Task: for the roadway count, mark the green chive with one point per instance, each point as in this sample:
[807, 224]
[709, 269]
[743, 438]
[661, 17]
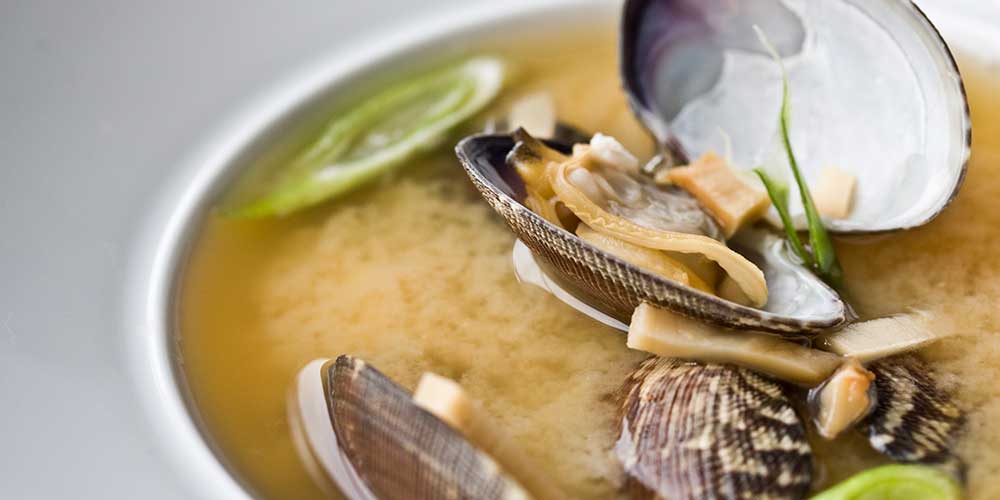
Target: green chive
[824, 258]
[779, 197]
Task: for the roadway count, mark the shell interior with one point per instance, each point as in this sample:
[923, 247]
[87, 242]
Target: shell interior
[616, 288]
[793, 290]
[885, 104]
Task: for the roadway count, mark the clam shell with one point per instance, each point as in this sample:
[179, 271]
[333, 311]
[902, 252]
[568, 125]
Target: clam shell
[874, 90]
[915, 421]
[800, 303]
[708, 431]
[399, 450]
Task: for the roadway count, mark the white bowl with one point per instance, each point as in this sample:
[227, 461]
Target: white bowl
[110, 150]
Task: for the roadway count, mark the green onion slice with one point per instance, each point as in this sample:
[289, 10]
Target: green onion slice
[896, 482]
[379, 134]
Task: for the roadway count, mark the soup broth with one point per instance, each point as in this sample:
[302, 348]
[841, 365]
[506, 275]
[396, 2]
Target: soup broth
[414, 274]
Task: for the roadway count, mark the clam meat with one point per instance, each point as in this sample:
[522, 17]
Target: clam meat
[843, 400]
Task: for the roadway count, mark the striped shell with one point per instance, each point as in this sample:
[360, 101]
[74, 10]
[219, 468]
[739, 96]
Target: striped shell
[914, 421]
[616, 287]
[696, 431]
[400, 450]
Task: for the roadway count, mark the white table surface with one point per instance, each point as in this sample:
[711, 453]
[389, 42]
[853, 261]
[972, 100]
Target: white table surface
[101, 102]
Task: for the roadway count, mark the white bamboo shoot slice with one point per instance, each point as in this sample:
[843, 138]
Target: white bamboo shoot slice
[671, 335]
[881, 338]
[445, 399]
[834, 193]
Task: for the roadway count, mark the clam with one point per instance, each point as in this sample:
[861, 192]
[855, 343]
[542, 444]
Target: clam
[373, 441]
[886, 105]
[710, 431]
[915, 421]
[798, 302]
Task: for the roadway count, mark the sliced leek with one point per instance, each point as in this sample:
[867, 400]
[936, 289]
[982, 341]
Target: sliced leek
[379, 134]
[896, 482]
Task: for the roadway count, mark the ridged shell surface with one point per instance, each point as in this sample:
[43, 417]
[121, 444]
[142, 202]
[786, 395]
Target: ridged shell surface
[915, 421]
[709, 431]
[401, 451]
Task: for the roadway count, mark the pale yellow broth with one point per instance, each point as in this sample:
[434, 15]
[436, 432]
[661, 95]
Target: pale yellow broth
[414, 274]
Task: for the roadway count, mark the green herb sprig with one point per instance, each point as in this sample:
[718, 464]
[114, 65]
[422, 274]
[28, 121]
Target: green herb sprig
[820, 256]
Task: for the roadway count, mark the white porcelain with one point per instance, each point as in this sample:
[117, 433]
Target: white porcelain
[119, 121]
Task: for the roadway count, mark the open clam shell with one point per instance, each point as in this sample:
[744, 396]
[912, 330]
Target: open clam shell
[710, 431]
[799, 302]
[885, 103]
[382, 444]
